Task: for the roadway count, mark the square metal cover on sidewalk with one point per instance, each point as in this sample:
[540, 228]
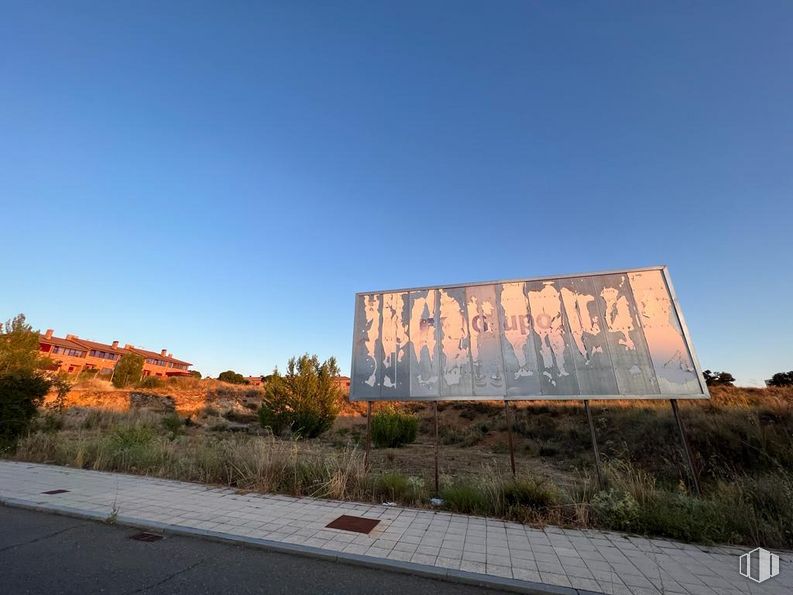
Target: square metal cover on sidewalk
[353, 523]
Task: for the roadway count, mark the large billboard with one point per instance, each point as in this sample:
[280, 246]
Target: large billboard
[614, 335]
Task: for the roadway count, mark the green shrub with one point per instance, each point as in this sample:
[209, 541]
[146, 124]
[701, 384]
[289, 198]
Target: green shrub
[129, 370]
[173, 423]
[132, 447]
[397, 487]
[529, 493]
[683, 517]
[461, 436]
[21, 394]
[615, 510]
[150, 382]
[466, 498]
[232, 377]
[305, 400]
[51, 422]
[393, 429]
[130, 436]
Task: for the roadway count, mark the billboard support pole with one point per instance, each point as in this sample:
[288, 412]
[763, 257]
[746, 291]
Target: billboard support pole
[686, 448]
[509, 437]
[437, 487]
[594, 443]
[368, 434]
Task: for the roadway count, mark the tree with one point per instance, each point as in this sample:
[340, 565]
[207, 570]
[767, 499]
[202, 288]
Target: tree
[62, 386]
[22, 385]
[21, 394]
[781, 379]
[718, 378]
[19, 347]
[232, 377]
[194, 374]
[306, 399]
[129, 370]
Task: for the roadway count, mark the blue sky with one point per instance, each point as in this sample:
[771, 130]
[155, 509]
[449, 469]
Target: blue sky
[219, 178]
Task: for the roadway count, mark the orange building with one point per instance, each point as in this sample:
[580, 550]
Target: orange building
[74, 355]
[67, 356]
[160, 364]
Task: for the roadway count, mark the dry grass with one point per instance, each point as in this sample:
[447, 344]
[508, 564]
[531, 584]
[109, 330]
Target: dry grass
[742, 440]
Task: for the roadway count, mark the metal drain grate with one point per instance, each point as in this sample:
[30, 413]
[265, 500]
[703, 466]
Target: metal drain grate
[55, 492]
[146, 537]
[353, 523]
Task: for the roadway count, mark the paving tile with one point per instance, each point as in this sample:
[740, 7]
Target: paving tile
[448, 562]
[583, 583]
[555, 579]
[469, 566]
[526, 574]
[498, 570]
[584, 559]
[423, 559]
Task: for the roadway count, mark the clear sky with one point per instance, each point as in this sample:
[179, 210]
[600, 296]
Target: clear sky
[219, 178]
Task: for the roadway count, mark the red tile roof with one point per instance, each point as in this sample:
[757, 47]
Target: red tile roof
[86, 345]
[58, 342]
[155, 355]
[98, 346]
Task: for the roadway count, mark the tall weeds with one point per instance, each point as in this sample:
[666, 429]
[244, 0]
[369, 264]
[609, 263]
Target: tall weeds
[737, 506]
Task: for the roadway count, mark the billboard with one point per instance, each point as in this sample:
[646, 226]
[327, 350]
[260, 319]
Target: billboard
[614, 335]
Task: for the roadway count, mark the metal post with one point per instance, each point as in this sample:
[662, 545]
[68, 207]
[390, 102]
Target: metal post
[437, 448]
[368, 434]
[686, 448]
[509, 437]
[594, 443]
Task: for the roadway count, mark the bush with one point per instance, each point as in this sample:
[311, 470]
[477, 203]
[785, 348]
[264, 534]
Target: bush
[19, 348]
[683, 517]
[393, 429]
[173, 423]
[469, 436]
[21, 394]
[529, 493]
[306, 400]
[51, 422]
[396, 487]
[466, 498]
[232, 377]
[615, 510]
[129, 370]
[150, 382]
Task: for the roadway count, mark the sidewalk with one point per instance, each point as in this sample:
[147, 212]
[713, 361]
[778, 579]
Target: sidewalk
[450, 546]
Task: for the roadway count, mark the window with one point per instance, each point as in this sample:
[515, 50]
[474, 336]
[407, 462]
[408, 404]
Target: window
[71, 352]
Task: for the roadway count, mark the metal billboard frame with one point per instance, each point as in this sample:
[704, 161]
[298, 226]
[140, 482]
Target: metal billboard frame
[586, 399]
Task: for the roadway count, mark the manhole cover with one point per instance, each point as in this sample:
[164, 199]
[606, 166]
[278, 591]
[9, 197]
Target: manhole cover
[55, 492]
[353, 523]
[145, 536]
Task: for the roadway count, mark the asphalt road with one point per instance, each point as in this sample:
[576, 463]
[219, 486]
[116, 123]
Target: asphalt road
[46, 553]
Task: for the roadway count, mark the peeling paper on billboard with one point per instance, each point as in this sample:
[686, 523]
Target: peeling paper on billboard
[609, 335]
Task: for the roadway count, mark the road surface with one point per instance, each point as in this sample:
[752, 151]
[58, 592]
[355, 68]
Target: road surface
[46, 553]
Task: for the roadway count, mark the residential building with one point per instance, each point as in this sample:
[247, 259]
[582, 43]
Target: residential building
[74, 355]
[160, 364]
[67, 356]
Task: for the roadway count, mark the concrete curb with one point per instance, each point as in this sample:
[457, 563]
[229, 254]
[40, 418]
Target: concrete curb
[423, 570]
